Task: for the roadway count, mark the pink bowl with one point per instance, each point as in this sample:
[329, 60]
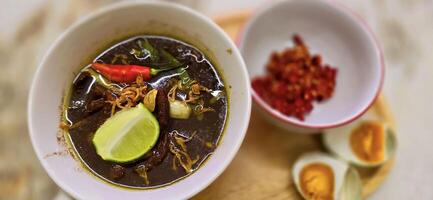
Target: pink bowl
[342, 39]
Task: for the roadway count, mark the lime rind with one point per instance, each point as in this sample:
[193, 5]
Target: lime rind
[127, 135]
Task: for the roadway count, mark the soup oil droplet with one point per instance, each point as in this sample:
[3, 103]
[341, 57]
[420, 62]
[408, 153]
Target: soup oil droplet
[368, 141]
[317, 181]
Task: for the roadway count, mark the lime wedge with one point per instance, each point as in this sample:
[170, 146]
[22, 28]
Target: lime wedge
[127, 135]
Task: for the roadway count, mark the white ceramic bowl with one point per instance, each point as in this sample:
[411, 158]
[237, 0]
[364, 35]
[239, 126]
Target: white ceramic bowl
[331, 30]
[95, 32]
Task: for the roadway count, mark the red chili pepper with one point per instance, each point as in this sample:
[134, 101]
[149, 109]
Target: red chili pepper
[125, 73]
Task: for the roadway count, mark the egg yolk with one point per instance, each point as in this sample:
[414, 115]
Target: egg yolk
[317, 181]
[367, 142]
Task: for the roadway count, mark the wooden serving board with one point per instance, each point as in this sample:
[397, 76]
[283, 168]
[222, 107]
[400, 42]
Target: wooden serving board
[262, 167]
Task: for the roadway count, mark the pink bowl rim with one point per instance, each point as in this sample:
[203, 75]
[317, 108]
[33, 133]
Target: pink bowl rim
[366, 28]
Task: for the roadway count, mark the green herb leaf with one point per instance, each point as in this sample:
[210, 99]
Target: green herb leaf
[148, 49]
[171, 60]
[138, 54]
[184, 76]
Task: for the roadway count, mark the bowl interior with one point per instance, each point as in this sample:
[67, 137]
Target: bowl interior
[327, 30]
[93, 34]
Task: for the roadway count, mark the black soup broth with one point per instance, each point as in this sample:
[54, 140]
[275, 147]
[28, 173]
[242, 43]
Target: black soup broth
[198, 85]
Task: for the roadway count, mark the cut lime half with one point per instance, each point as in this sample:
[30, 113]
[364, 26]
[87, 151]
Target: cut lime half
[127, 135]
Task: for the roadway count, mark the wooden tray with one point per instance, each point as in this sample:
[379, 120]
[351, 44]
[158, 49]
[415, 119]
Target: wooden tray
[262, 167]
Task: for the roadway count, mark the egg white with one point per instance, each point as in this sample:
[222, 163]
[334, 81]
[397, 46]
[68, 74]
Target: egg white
[337, 141]
[338, 167]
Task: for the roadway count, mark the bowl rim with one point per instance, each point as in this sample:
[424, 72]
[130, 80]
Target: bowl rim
[231, 153]
[348, 12]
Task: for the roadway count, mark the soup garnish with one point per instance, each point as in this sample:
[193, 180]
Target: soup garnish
[146, 112]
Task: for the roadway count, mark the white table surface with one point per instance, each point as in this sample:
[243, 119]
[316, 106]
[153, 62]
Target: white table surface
[405, 30]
